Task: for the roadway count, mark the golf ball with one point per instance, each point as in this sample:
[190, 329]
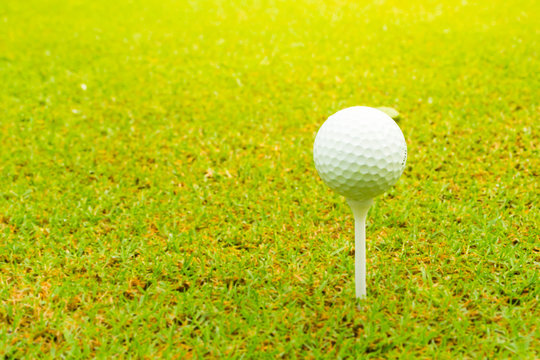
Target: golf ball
[360, 152]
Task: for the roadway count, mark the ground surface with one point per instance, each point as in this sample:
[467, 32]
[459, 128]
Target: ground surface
[158, 196]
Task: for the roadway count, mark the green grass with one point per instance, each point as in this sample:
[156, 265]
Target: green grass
[158, 196]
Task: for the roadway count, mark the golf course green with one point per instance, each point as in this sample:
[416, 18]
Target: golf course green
[158, 196]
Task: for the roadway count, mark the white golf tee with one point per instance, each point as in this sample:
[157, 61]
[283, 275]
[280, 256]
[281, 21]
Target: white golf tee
[360, 210]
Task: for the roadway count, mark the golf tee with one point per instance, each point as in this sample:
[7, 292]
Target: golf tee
[360, 210]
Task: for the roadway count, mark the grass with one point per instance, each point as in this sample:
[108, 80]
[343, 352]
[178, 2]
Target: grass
[158, 196]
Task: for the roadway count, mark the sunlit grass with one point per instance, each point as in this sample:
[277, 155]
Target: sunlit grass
[158, 196]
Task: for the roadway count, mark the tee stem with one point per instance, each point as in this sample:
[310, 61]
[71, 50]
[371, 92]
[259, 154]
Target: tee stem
[360, 210]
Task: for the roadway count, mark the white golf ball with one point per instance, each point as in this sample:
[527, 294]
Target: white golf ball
[360, 152]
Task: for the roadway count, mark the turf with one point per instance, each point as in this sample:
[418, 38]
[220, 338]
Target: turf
[158, 196]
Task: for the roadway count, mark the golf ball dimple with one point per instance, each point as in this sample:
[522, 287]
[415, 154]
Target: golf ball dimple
[360, 152]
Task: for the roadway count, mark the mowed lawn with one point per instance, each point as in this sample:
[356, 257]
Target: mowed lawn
[158, 197]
